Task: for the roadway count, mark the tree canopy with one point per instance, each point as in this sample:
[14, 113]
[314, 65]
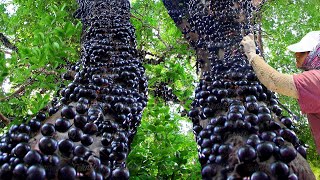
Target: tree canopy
[46, 38]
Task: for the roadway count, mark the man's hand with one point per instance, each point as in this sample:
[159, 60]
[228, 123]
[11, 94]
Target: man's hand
[249, 46]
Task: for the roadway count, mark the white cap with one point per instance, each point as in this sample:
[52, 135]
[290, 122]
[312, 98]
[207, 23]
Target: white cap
[307, 43]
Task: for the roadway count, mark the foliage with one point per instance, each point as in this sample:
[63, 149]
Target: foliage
[161, 150]
[47, 38]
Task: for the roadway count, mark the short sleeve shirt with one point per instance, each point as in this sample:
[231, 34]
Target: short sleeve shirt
[308, 87]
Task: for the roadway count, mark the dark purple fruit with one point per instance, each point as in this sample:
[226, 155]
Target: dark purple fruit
[68, 112]
[90, 128]
[67, 173]
[302, 150]
[36, 172]
[208, 171]
[289, 135]
[86, 140]
[247, 154]
[280, 169]
[279, 141]
[34, 125]
[264, 117]
[5, 172]
[120, 174]
[268, 136]
[251, 118]
[105, 171]
[48, 145]
[80, 150]
[287, 154]
[48, 129]
[81, 108]
[62, 125]
[252, 107]
[293, 177]
[21, 149]
[41, 116]
[80, 121]
[32, 157]
[259, 176]
[20, 171]
[265, 150]
[286, 121]
[66, 147]
[23, 128]
[75, 134]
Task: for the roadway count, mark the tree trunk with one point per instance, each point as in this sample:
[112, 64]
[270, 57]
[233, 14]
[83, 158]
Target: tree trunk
[87, 133]
[239, 128]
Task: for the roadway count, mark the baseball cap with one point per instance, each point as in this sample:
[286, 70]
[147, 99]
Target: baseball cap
[307, 43]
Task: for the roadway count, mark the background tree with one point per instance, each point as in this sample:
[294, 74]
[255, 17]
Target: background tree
[170, 61]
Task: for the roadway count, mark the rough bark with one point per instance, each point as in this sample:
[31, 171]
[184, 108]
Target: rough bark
[87, 132]
[238, 124]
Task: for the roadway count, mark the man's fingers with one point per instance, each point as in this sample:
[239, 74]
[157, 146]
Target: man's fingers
[251, 36]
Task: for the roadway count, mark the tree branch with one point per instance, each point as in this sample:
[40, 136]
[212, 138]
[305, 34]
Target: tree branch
[18, 91]
[3, 119]
[5, 41]
[151, 27]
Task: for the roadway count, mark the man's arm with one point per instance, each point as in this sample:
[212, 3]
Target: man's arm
[272, 79]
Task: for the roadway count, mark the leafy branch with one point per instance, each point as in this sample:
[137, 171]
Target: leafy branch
[29, 82]
[5, 41]
[157, 30]
[3, 119]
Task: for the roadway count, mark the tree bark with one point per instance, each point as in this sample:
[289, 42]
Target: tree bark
[87, 133]
[238, 125]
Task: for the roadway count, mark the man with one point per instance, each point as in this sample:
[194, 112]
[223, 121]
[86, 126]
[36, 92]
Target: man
[304, 86]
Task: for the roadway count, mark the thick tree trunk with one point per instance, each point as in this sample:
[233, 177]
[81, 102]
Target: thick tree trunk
[88, 132]
[238, 125]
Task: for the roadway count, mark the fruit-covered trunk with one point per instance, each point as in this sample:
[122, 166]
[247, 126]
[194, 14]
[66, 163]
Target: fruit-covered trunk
[238, 124]
[87, 132]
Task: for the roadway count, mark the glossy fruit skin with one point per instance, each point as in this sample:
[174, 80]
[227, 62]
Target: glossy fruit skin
[259, 176]
[5, 171]
[247, 154]
[36, 172]
[48, 129]
[280, 169]
[120, 173]
[20, 171]
[66, 173]
[68, 112]
[32, 157]
[66, 147]
[21, 149]
[208, 171]
[48, 145]
[87, 140]
[288, 154]
[75, 134]
[62, 125]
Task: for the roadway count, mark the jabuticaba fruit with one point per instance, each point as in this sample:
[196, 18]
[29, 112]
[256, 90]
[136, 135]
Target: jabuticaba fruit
[239, 127]
[87, 131]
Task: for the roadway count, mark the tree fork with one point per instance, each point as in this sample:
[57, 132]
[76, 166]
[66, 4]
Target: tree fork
[238, 124]
[87, 133]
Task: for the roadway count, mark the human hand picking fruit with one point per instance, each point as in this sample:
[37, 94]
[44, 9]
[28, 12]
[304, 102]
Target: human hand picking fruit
[249, 46]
